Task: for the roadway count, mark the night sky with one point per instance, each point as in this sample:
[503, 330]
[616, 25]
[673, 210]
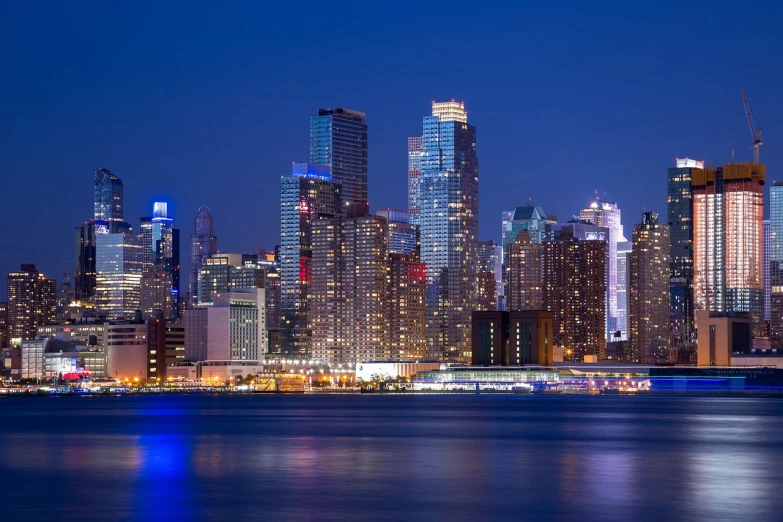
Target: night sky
[209, 103]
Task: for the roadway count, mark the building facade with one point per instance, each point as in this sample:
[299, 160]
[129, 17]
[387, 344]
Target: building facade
[203, 244]
[119, 270]
[32, 302]
[649, 295]
[84, 262]
[236, 326]
[623, 251]
[524, 274]
[449, 228]
[406, 307]
[109, 205]
[414, 178]
[774, 263]
[512, 338]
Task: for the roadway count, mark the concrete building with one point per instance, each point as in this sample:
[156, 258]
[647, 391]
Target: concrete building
[512, 338]
[236, 326]
[490, 275]
[406, 307]
[32, 302]
[196, 337]
[85, 334]
[125, 345]
[649, 296]
[722, 334]
[414, 178]
[165, 347]
[32, 358]
[524, 274]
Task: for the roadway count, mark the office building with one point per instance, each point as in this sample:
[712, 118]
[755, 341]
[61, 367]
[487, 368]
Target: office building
[414, 175]
[767, 281]
[490, 275]
[308, 195]
[125, 346]
[66, 295]
[774, 260]
[32, 302]
[680, 217]
[196, 324]
[33, 357]
[165, 347]
[649, 296]
[85, 334]
[531, 219]
[119, 271]
[449, 228]
[160, 263]
[84, 262]
[403, 237]
[156, 295]
[728, 208]
[222, 273]
[512, 338]
[623, 251]
[3, 324]
[574, 289]
[406, 307]
[606, 214]
[524, 274]
[722, 334]
[338, 140]
[109, 203]
[236, 326]
[203, 244]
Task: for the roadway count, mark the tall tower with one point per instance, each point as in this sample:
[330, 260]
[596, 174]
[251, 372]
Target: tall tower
[775, 259]
[606, 214]
[203, 244]
[109, 202]
[161, 263]
[767, 280]
[32, 302]
[84, 271]
[338, 140]
[449, 228]
[649, 295]
[728, 208]
[414, 175]
[307, 195]
[524, 273]
[119, 270]
[489, 275]
[680, 218]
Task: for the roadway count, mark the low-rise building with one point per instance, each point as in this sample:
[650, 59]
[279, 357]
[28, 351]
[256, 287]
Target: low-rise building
[721, 334]
[512, 338]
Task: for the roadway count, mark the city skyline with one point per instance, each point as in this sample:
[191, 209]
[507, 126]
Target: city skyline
[154, 137]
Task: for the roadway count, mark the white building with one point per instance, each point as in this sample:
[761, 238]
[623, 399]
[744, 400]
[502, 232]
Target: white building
[236, 326]
[33, 358]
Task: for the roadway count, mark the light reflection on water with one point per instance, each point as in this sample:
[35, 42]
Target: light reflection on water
[379, 457]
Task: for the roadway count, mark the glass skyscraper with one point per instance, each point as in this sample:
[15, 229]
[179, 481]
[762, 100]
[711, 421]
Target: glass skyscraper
[119, 271]
[414, 178]
[776, 261]
[449, 228]
[203, 244]
[84, 271]
[338, 140]
[307, 195]
[109, 202]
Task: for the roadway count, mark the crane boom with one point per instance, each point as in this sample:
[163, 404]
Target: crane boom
[755, 129]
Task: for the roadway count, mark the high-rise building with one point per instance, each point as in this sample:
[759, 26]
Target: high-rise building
[767, 282]
[160, 263]
[512, 338]
[308, 195]
[449, 228]
[65, 296]
[109, 203]
[606, 214]
[349, 285]
[649, 296]
[236, 326]
[775, 260]
[338, 140]
[728, 208]
[623, 251]
[680, 218]
[533, 220]
[406, 307]
[155, 295]
[524, 274]
[222, 273]
[119, 271]
[414, 175]
[32, 302]
[84, 262]
[403, 236]
[490, 275]
[574, 289]
[203, 244]
[3, 325]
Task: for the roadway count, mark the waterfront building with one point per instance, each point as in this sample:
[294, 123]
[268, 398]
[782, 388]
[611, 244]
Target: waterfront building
[84, 262]
[773, 280]
[125, 346]
[574, 289]
[721, 334]
[680, 217]
[203, 244]
[728, 208]
[414, 178]
[623, 252]
[524, 274]
[514, 338]
[165, 347]
[531, 219]
[606, 214]
[308, 195]
[119, 272]
[338, 140]
[649, 290]
[33, 357]
[236, 326]
[85, 334]
[196, 323]
[32, 302]
[449, 228]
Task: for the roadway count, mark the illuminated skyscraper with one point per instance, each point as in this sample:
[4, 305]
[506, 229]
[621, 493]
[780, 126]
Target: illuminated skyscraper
[775, 260]
[403, 236]
[338, 140]
[680, 218]
[489, 275]
[623, 251]
[84, 273]
[406, 307]
[530, 218]
[649, 290]
[307, 195]
[32, 302]
[160, 263]
[203, 244]
[524, 274]
[449, 228]
[119, 271]
[574, 289]
[728, 208]
[767, 281]
[414, 178]
[109, 202]
[605, 214]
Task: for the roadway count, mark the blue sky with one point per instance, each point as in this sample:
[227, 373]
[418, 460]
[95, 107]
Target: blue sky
[207, 103]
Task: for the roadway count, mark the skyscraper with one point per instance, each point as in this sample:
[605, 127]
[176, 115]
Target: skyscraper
[606, 214]
[403, 236]
[775, 259]
[32, 302]
[767, 282]
[203, 244]
[449, 228]
[574, 289]
[109, 202]
[160, 264]
[84, 262]
[338, 140]
[308, 195]
[414, 178]
[649, 296]
[530, 218]
[680, 218]
[490, 278]
[524, 274]
[623, 251]
[406, 307]
[728, 208]
[119, 271]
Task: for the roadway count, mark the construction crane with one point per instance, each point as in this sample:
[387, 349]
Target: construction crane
[755, 129]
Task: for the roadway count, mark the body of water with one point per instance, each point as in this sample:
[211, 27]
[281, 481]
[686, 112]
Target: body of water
[373, 457]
